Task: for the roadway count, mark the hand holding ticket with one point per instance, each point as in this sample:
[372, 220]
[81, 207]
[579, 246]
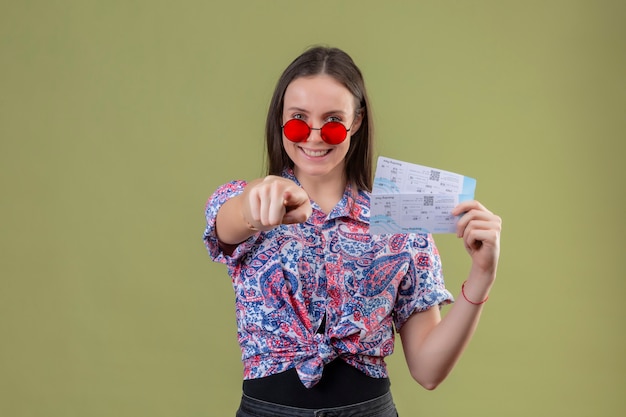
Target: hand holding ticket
[411, 198]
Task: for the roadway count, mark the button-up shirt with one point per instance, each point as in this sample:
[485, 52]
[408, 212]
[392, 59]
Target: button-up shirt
[288, 279]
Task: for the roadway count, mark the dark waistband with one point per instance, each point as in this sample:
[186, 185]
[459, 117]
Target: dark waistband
[382, 406]
[341, 384]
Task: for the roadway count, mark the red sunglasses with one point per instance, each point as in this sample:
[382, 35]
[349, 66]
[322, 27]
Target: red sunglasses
[333, 133]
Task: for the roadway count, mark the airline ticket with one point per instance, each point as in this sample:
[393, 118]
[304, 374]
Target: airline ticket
[411, 198]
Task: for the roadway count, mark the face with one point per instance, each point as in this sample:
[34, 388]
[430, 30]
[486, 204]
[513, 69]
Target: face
[317, 100]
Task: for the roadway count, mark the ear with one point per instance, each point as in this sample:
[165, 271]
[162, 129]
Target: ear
[356, 125]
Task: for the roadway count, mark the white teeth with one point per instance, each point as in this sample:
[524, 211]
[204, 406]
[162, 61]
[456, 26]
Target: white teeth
[314, 153]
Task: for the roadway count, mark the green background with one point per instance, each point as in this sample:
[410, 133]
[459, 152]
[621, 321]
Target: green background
[118, 119]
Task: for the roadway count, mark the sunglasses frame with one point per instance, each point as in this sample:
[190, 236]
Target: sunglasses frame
[321, 129]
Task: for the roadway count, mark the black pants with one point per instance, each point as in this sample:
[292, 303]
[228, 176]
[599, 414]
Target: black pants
[378, 407]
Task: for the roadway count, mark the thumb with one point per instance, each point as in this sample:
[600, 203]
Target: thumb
[297, 207]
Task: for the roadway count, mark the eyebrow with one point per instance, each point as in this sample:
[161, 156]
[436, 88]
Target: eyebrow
[325, 113]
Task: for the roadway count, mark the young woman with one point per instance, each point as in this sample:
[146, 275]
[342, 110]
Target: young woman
[317, 296]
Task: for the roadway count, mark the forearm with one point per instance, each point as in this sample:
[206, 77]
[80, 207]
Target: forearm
[432, 356]
[231, 225]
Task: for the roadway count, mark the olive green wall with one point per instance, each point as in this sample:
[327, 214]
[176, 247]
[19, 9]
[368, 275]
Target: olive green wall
[119, 118]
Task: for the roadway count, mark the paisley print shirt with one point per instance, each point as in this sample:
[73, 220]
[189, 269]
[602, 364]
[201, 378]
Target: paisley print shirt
[289, 279]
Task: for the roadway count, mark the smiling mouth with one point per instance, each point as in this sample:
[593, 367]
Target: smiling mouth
[319, 153]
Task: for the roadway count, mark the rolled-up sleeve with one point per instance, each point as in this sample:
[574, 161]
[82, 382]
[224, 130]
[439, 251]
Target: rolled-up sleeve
[423, 285]
[213, 205]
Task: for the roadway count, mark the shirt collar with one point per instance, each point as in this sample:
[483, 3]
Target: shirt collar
[354, 205]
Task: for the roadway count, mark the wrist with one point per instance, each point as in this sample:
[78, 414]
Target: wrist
[254, 226]
[248, 223]
[474, 295]
[485, 276]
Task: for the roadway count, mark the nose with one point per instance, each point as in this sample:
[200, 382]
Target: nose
[315, 134]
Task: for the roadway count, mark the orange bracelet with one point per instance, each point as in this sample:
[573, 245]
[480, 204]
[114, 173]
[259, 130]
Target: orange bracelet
[470, 301]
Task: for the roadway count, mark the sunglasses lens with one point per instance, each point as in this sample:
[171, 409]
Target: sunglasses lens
[334, 133]
[296, 130]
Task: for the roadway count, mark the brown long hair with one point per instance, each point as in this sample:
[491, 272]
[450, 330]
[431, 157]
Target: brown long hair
[339, 65]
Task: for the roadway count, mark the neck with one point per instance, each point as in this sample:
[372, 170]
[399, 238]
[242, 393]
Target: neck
[326, 192]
